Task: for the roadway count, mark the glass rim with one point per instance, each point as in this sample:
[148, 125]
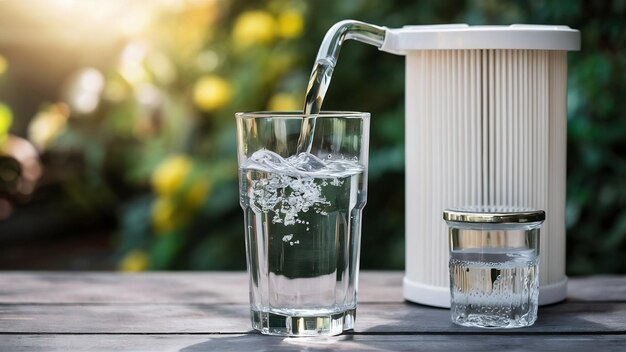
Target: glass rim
[298, 114]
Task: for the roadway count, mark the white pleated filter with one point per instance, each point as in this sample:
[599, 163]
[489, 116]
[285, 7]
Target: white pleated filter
[483, 127]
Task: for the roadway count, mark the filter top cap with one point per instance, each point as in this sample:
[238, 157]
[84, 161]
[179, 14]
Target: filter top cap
[463, 36]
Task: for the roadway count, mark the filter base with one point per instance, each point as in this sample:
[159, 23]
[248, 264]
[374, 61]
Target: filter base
[438, 296]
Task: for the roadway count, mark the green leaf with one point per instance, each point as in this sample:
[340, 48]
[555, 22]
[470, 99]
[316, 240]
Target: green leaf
[385, 160]
[164, 250]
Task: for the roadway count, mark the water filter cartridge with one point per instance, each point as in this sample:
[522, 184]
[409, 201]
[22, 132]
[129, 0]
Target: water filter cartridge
[486, 124]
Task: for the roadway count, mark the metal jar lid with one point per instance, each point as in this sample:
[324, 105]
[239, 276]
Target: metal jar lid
[494, 215]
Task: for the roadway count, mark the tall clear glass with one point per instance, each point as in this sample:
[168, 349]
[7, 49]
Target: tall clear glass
[302, 217]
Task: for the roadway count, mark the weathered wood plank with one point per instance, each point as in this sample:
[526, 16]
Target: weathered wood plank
[597, 288]
[43, 287]
[221, 287]
[209, 311]
[256, 342]
[170, 287]
[559, 318]
[583, 317]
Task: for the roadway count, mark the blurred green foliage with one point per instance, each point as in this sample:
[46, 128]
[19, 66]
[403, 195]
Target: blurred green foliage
[160, 147]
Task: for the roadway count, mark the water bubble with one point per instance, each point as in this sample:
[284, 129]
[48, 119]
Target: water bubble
[336, 182]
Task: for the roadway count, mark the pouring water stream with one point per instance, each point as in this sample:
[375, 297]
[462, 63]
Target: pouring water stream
[323, 70]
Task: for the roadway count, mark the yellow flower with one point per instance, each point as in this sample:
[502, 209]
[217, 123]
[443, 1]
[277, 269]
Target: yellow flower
[211, 92]
[197, 193]
[4, 64]
[254, 27]
[284, 101]
[290, 24]
[164, 215]
[170, 175]
[6, 118]
[116, 89]
[47, 125]
[136, 260]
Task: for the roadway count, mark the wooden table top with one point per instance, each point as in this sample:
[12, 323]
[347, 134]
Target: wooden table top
[208, 311]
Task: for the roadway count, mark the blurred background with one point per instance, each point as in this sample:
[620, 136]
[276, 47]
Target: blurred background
[117, 147]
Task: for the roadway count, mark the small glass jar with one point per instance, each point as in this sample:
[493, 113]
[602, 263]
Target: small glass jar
[494, 257]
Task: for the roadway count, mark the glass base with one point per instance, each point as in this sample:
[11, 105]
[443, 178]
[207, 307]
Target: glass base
[494, 321]
[271, 323]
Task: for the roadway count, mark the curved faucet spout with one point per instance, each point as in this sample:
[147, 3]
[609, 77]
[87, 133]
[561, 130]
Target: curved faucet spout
[329, 52]
[348, 29]
[323, 70]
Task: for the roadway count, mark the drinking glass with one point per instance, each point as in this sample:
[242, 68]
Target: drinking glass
[494, 257]
[302, 218]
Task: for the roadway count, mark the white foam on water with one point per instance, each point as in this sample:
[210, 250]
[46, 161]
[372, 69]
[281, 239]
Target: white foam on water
[303, 165]
[294, 185]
